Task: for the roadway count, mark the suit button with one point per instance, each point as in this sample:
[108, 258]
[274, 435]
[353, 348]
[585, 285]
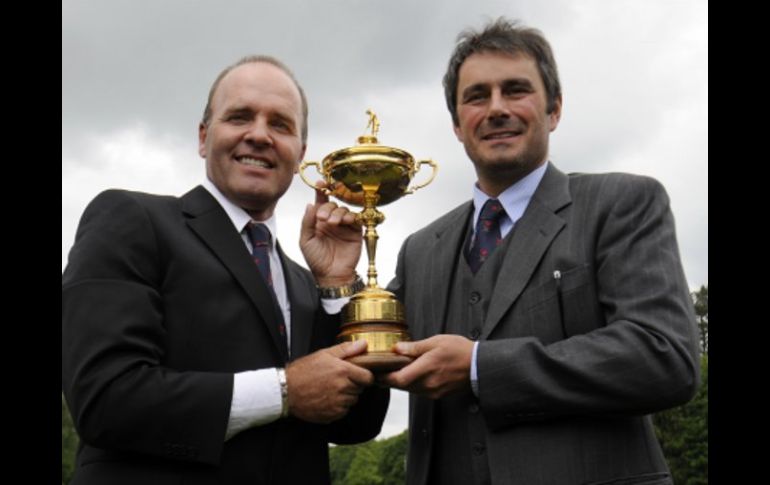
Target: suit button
[475, 298]
[478, 449]
[473, 408]
[424, 433]
[474, 333]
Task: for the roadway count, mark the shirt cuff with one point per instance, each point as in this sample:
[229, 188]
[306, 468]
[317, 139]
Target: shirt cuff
[474, 371]
[256, 400]
[333, 306]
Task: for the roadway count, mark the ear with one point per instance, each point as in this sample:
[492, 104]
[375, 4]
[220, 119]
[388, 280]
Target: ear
[555, 116]
[458, 132]
[202, 132]
[301, 157]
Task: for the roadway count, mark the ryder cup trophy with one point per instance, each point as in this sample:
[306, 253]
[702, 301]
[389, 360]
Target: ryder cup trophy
[369, 175]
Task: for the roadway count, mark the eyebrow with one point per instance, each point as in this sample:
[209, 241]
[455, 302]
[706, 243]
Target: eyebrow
[237, 110]
[521, 83]
[514, 83]
[245, 110]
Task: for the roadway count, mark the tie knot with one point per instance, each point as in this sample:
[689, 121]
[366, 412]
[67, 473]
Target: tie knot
[492, 210]
[259, 234]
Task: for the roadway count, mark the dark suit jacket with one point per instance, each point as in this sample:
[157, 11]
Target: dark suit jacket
[161, 304]
[567, 371]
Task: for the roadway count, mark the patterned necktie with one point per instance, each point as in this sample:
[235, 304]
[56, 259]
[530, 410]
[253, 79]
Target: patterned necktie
[487, 234]
[259, 235]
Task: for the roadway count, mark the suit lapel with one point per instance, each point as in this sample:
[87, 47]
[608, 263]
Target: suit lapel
[532, 236]
[210, 222]
[443, 258]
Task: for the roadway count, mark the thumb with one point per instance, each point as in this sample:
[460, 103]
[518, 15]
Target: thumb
[308, 223]
[348, 349]
[412, 349]
[320, 193]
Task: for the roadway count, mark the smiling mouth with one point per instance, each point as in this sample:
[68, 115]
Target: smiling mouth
[254, 162]
[500, 134]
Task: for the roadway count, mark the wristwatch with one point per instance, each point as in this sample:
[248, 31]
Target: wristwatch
[332, 292]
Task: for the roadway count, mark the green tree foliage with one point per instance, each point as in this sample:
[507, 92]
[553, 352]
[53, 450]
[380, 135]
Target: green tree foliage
[683, 431]
[701, 303]
[69, 443]
[380, 462]
[393, 461]
[683, 434]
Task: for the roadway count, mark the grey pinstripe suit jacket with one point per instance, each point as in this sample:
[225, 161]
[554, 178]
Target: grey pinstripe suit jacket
[569, 369]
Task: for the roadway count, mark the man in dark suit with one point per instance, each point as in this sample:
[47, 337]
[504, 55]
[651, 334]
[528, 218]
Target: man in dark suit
[190, 342]
[551, 313]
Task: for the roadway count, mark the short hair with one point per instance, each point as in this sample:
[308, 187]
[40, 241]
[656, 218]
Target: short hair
[256, 60]
[506, 36]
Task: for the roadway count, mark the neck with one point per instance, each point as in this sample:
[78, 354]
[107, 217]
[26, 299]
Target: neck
[493, 182]
[259, 215]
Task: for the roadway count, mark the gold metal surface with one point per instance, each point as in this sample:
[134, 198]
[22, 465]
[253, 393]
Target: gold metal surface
[369, 175]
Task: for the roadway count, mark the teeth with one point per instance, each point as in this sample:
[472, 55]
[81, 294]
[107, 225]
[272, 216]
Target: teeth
[501, 135]
[253, 162]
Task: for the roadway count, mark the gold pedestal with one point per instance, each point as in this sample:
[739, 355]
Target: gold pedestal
[375, 315]
[369, 175]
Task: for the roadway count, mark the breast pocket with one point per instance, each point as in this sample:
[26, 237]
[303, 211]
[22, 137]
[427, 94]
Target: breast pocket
[578, 302]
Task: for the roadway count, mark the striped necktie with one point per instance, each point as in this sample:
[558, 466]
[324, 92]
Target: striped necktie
[259, 235]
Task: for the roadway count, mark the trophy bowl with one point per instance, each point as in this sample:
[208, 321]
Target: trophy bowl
[370, 175]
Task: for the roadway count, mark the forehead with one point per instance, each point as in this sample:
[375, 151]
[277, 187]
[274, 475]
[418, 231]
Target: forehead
[260, 84]
[495, 67]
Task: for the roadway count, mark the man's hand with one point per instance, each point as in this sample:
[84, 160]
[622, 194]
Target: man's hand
[442, 366]
[322, 386]
[330, 241]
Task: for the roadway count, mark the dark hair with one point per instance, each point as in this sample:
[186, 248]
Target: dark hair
[255, 60]
[506, 36]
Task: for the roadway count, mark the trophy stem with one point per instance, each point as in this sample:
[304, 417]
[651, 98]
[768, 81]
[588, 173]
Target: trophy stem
[371, 217]
[371, 251]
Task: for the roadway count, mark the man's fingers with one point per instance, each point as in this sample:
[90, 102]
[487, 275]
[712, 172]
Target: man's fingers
[412, 349]
[326, 210]
[308, 222]
[320, 193]
[405, 377]
[348, 349]
[361, 376]
[357, 375]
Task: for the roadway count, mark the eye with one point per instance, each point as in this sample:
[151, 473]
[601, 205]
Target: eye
[517, 89]
[238, 118]
[281, 124]
[475, 97]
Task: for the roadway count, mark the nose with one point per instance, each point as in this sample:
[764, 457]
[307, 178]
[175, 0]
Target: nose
[258, 133]
[497, 106]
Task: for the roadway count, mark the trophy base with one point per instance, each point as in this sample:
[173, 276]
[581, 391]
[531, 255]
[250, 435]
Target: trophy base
[375, 315]
[381, 363]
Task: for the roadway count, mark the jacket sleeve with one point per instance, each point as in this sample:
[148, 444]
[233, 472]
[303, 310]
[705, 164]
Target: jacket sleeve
[640, 357]
[113, 344]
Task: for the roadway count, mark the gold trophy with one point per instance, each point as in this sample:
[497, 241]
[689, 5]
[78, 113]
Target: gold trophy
[369, 175]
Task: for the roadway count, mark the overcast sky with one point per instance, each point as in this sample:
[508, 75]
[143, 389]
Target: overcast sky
[136, 73]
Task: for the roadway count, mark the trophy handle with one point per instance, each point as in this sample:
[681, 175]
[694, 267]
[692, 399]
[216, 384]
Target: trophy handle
[303, 166]
[432, 175]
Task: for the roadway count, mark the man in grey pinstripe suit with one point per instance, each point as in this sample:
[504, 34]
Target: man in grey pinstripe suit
[543, 365]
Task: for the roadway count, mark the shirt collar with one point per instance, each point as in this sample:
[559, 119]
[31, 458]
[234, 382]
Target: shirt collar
[239, 217]
[514, 199]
